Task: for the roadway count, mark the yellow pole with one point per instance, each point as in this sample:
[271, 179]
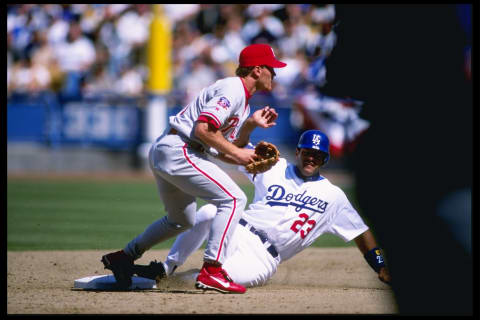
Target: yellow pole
[159, 83]
[159, 53]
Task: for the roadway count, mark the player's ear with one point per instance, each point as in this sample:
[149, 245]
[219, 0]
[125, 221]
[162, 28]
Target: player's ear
[256, 72]
[325, 158]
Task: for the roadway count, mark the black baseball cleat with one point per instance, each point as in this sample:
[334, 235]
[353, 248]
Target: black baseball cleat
[155, 271]
[121, 266]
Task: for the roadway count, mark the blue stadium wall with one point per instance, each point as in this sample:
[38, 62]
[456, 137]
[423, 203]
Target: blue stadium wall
[113, 124]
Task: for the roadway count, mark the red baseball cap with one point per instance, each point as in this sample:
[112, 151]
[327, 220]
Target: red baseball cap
[259, 54]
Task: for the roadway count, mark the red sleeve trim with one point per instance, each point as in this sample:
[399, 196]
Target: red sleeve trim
[204, 118]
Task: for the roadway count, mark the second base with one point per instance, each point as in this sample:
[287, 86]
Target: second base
[107, 282]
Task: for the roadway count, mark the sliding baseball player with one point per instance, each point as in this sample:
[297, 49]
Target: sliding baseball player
[293, 205]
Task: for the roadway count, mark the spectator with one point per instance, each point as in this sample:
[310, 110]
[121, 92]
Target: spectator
[20, 31]
[230, 42]
[58, 31]
[108, 36]
[18, 77]
[27, 77]
[264, 27]
[181, 12]
[44, 55]
[287, 77]
[75, 57]
[322, 41]
[295, 38]
[133, 25]
[193, 43]
[199, 76]
[322, 13]
[207, 18]
[99, 81]
[40, 18]
[130, 82]
[318, 49]
[91, 19]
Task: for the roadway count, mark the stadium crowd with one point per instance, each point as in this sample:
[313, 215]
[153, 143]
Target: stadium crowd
[86, 49]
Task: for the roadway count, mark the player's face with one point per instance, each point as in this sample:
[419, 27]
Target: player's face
[309, 161]
[266, 77]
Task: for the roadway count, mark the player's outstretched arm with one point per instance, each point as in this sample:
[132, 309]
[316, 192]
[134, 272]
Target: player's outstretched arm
[371, 252]
[226, 158]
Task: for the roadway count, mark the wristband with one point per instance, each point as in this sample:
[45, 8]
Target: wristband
[374, 258]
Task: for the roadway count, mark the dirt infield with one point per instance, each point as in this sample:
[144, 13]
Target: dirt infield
[317, 281]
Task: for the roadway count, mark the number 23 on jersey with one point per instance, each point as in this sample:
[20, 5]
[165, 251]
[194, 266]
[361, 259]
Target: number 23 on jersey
[298, 224]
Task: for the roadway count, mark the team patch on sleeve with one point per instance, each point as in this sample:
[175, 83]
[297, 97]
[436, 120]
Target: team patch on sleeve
[223, 102]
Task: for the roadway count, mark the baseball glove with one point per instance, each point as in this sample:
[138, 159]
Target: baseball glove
[269, 156]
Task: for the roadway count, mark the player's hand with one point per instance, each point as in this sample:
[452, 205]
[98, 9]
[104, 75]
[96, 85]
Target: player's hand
[265, 117]
[245, 156]
[384, 275]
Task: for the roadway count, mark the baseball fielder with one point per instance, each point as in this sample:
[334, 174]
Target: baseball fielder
[216, 122]
[293, 205]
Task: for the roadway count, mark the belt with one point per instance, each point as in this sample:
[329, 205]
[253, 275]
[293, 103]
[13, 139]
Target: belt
[271, 248]
[193, 144]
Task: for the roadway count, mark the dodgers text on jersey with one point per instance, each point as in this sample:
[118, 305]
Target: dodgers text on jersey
[278, 197]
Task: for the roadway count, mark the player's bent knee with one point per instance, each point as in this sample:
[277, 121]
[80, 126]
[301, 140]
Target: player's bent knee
[182, 224]
[241, 200]
[237, 200]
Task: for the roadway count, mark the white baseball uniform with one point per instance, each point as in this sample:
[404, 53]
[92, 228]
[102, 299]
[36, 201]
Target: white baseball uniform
[288, 212]
[183, 171]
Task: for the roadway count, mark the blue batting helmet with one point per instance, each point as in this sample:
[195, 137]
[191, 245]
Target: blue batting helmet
[315, 139]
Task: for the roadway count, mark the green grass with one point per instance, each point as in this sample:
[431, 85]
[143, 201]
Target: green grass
[49, 214]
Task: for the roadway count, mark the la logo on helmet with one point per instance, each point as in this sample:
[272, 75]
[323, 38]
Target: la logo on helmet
[316, 139]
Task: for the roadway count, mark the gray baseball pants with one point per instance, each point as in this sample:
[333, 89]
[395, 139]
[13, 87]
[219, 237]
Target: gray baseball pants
[182, 174]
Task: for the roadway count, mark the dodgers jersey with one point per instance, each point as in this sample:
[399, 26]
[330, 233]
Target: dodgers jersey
[293, 212]
[224, 104]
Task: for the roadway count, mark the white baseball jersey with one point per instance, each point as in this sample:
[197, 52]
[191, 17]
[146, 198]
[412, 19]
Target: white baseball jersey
[224, 104]
[292, 212]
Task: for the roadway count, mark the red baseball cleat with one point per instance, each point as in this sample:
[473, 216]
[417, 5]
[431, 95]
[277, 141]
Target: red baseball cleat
[217, 279]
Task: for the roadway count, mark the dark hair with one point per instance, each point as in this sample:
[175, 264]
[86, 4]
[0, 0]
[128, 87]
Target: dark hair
[243, 71]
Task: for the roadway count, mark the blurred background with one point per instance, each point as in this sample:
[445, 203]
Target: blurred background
[84, 80]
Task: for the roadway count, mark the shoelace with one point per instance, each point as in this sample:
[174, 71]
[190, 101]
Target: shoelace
[226, 276]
